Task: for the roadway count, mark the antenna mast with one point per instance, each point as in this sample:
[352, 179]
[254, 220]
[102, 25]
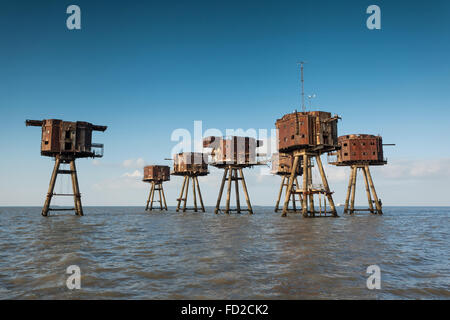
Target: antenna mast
[303, 89]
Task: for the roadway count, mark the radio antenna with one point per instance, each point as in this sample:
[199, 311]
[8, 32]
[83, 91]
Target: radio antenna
[301, 63]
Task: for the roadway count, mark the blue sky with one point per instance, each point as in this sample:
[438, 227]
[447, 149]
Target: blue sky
[147, 68]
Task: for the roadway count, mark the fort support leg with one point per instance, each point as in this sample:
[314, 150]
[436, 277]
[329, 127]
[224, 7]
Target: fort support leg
[349, 190]
[320, 205]
[194, 185]
[297, 188]
[352, 201]
[293, 192]
[76, 189]
[289, 187]
[244, 187]
[374, 193]
[51, 187]
[153, 195]
[186, 194]
[221, 190]
[294, 188]
[369, 198]
[311, 195]
[230, 174]
[149, 197]
[164, 197]
[279, 194]
[200, 194]
[236, 187]
[326, 186]
[305, 185]
[181, 194]
[160, 196]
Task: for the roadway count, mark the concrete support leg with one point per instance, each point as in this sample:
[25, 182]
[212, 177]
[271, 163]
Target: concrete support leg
[164, 197]
[289, 187]
[149, 197]
[51, 187]
[236, 188]
[186, 191]
[194, 186]
[326, 186]
[181, 193]
[230, 176]
[199, 194]
[76, 189]
[280, 193]
[352, 201]
[294, 189]
[349, 189]
[311, 195]
[305, 185]
[222, 185]
[153, 196]
[160, 196]
[369, 198]
[374, 193]
[244, 187]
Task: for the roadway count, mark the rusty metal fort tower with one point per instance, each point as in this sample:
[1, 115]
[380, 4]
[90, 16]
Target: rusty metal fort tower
[306, 136]
[282, 166]
[66, 141]
[190, 165]
[233, 154]
[303, 137]
[359, 152]
[156, 175]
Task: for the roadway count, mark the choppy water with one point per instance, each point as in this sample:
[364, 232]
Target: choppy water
[128, 253]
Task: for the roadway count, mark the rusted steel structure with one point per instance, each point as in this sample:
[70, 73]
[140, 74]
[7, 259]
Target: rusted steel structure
[307, 135]
[190, 165]
[360, 151]
[233, 154]
[66, 141]
[156, 175]
[282, 166]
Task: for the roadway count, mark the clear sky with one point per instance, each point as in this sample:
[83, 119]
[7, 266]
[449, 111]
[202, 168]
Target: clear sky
[146, 68]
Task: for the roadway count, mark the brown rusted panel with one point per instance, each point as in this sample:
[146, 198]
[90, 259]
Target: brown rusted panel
[233, 150]
[282, 164]
[83, 136]
[360, 148]
[156, 173]
[303, 130]
[195, 163]
[51, 132]
[67, 138]
[34, 123]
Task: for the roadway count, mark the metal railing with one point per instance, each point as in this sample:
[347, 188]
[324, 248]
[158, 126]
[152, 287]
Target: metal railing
[97, 149]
